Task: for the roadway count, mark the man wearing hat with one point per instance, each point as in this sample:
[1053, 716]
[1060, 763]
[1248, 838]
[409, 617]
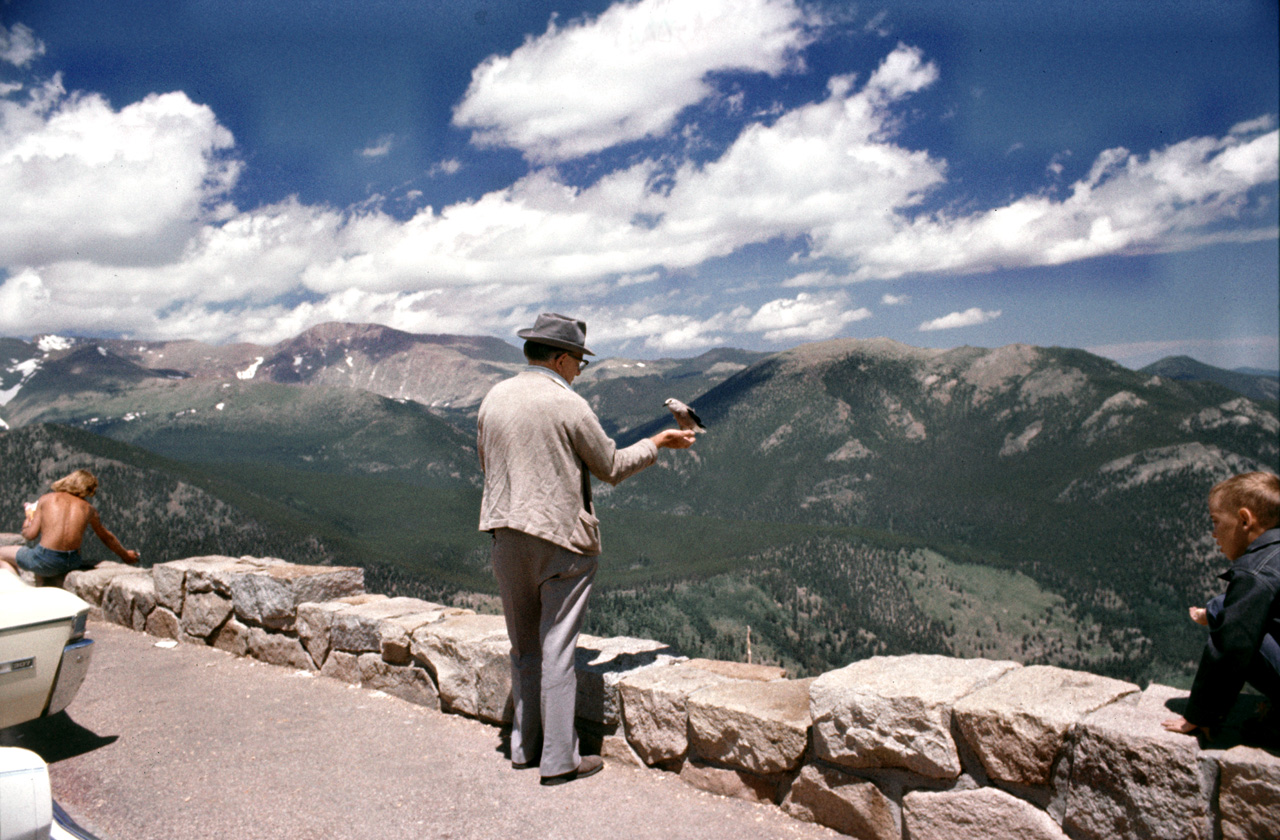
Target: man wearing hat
[539, 445]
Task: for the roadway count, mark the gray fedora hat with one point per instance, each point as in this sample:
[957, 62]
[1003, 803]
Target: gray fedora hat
[558, 331]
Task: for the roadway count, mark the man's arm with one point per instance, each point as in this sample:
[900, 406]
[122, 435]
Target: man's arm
[109, 539]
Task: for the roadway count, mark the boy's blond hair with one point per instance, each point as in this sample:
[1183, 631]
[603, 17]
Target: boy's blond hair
[1257, 491]
[80, 483]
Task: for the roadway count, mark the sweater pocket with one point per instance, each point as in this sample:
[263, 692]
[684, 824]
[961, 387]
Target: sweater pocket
[585, 538]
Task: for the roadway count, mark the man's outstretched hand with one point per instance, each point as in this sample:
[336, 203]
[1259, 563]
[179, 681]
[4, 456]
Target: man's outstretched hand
[673, 439]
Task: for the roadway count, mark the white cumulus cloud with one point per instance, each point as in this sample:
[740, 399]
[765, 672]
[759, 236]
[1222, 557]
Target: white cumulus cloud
[625, 75]
[805, 317]
[1166, 200]
[19, 45]
[82, 181]
[968, 318]
[120, 219]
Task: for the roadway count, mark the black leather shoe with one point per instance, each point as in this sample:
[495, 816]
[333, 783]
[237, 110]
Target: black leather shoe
[589, 766]
[523, 765]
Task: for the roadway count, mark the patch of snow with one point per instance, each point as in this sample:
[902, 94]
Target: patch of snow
[49, 343]
[220, 406]
[297, 361]
[102, 351]
[252, 370]
[27, 368]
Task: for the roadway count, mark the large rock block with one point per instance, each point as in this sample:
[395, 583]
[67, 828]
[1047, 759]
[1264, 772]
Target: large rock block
[1249, 794]
[342, 666]
[232, 636]
[270, 596]
[215, 572]
[408, 682]
[895, 711]
[733, 783]
[740, 670]
[203, 613]
[601, 663]
[128, 600]
[982, 813]
[655, 708]
[1017, 725]
[171, 579]
[470, 658]
[846, 803]
[759, 727]
[396, 633]
[1132, 778]
[358, 628]
[91, 584]
[315, 620]
[162, 622]
[278, 649]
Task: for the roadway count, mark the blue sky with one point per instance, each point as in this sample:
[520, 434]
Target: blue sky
[683, 174]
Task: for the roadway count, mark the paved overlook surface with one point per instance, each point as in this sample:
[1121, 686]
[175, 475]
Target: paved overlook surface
[190, 743]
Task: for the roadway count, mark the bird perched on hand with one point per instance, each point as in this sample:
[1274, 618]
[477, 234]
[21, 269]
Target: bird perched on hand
[685, 416]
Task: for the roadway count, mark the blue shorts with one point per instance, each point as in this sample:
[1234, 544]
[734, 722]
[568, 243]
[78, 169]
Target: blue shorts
[46, 562]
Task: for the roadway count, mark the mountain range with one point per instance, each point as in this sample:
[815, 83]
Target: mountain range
[851, 497]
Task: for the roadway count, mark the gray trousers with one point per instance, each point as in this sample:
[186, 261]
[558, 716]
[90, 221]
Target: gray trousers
[545, 589]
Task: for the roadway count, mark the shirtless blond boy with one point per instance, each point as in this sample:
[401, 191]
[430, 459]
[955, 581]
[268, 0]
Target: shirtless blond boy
[59, 520]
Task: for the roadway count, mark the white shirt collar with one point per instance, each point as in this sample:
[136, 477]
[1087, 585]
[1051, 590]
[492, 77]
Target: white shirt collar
[555, 377]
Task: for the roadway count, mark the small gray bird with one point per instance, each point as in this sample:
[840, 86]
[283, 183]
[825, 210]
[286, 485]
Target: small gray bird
[685, 416]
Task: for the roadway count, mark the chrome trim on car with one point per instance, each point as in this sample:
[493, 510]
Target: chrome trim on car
[71, 673]
[24, 664]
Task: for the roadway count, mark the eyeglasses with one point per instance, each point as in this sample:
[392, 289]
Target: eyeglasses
[582, 363]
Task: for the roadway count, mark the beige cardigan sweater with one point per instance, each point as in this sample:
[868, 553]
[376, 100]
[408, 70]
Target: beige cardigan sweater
[535, 438]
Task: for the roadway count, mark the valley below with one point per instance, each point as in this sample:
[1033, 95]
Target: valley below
[851, 498]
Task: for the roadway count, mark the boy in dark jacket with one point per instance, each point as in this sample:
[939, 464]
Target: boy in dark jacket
[1246, 511]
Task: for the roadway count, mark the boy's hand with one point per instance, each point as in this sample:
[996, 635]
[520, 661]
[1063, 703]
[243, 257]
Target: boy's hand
[1199, 615]
[131, 557]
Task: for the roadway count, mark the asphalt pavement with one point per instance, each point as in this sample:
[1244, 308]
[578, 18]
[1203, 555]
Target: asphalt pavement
[188, 742]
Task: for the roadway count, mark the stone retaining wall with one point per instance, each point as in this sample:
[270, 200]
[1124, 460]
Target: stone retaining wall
[917, 747]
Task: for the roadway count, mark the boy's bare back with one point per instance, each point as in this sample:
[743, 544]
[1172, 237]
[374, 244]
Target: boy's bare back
[61, 520]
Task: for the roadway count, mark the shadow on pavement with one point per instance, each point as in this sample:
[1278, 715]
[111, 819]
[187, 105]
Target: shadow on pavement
[54, 738]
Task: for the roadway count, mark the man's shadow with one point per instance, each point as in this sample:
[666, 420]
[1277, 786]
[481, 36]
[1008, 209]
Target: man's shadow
[54, 738]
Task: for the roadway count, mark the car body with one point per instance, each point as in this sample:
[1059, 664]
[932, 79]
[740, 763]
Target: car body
[27, 809]
[44, 654]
